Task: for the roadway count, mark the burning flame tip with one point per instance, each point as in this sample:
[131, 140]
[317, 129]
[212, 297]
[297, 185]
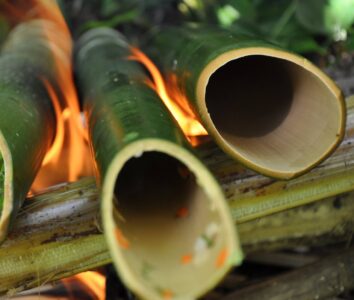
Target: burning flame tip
[175, 101]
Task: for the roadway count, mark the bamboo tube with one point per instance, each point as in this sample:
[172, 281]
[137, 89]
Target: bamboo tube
[252, 196]
[26, 117]
[272, 110]
[167, 225]
[59, 233]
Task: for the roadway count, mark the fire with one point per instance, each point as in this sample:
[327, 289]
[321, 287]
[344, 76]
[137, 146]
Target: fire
[174, 100]
[69, 157]
[93, 282]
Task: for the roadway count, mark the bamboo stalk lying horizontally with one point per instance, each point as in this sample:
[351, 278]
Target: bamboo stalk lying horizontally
[272, 110]
[65, 243]
[26, 115]
[56, 235]
[59, 234]
[165, 217]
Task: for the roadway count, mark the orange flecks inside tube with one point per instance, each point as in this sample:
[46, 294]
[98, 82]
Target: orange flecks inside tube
[122, 240]
[186, 259]
[167, 294]
[221, 259]
[182, 212]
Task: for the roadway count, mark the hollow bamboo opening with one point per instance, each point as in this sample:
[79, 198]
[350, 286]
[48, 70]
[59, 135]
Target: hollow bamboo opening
[167, 223]
[170, 232]
[275, 112]
[6, 192]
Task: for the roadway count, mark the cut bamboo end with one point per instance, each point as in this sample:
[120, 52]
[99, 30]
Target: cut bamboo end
[273, 111]
[6, 196]
[168, 227]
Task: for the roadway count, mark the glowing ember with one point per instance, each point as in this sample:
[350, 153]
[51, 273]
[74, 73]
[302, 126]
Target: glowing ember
[94, 283]
[176, 102]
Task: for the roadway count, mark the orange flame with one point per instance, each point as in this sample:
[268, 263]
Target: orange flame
[69, 157]
[174, 100]
[93, 282]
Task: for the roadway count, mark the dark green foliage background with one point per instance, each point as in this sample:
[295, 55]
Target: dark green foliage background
[303, 26]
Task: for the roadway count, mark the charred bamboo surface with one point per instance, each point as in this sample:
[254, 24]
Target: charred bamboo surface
[26, 116]
[59, 234]
[272, 110]
[165, 217]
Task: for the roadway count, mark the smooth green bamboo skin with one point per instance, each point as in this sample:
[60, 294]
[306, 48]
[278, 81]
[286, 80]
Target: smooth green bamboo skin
[270, 109]
[26, 119]
[165, 218]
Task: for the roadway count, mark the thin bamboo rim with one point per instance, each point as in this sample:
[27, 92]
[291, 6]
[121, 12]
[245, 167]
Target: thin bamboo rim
[5, 214]
[203, 178]
[224, 58]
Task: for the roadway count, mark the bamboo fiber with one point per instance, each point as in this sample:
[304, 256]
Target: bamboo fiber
[165, 218]
[272, 110]
[26, 116]
[59, 232]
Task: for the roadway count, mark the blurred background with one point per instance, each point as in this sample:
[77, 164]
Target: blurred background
[321, 29]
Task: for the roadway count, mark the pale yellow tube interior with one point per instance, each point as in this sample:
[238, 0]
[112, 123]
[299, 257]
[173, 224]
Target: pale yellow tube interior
[274, 113]
[171, 236]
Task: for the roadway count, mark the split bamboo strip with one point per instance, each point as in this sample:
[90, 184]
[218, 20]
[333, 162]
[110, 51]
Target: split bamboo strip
[26, 116]
[59, 234]
[270, 109]
[324, 222]
[165, 217]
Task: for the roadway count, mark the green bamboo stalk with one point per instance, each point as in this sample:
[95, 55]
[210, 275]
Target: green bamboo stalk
[167, 225]
[317, 224]
[57, 234]
[60, 233]
[262, 105]
[26, 116]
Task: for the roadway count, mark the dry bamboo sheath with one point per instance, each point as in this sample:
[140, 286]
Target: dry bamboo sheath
[272, 110]
[26, 116]
[165, 218]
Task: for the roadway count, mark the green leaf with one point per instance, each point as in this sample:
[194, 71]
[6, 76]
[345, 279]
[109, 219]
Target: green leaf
[310, 14]
[227, 15]
[245, 9]
[350, 40]
[330, 17]
[339, 16]
[109, 7]
[126, 17]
